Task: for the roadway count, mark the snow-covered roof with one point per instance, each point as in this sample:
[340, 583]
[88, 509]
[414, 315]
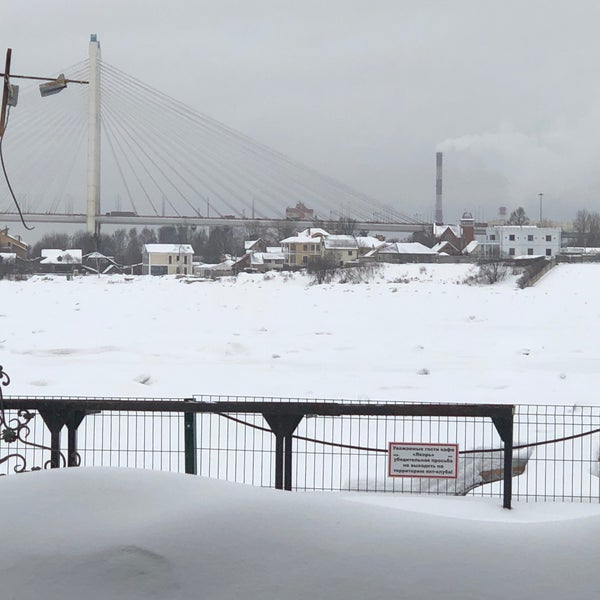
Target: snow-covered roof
[259, 258]
[169, 248]
[98, 255]
[406, 248]
[274, 249]
[441, 247]
[248, 244]
[340, 242]
[52, 256]
[517, 227]
[8, 257]
[471, 247]
[308, 235]
[222, 266]
[579, 250]
[368, 241]
[438, 230]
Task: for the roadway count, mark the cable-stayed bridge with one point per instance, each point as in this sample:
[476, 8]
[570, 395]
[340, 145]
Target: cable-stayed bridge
[119, 152]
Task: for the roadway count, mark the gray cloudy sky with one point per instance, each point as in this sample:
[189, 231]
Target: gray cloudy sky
[366, 91]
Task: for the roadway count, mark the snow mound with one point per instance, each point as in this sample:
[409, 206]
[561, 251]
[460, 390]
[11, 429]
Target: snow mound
[102, 533]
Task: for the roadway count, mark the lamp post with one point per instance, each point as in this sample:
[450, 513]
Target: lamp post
[541, 197]
[10, 95]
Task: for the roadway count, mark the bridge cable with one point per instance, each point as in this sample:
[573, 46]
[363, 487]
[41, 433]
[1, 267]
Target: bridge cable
[6, 174]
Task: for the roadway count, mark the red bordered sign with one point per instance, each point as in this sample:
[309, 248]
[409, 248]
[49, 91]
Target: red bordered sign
[436, 461]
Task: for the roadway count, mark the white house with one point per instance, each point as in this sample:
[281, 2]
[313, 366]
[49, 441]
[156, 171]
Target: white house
[521, 240]
[341, 248]
[167, 259]
[60, 261]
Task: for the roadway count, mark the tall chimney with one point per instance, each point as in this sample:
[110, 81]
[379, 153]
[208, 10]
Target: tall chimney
[439, 218]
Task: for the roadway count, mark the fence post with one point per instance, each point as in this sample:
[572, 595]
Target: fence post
[283, 426]
[55, 421]
[189, 429]
[504, 425]
[73, 420]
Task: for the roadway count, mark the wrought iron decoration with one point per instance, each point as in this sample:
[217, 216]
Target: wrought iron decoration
[17, 429]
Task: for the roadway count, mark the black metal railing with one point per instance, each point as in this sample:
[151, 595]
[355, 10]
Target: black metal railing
[300, 444]
[284, 443]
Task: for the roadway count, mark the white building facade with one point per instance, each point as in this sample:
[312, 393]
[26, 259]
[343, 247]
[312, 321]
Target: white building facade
[509, 241]
[167, 259]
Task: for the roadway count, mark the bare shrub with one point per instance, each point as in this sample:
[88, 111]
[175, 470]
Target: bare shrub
[322, 269]
[361, 273]
[488, 272]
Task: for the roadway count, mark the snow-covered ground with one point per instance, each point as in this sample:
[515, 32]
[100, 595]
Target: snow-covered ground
[415, 333]
[411, 334]
[99, 534]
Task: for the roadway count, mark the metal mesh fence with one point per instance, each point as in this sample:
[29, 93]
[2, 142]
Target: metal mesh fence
[556, 449]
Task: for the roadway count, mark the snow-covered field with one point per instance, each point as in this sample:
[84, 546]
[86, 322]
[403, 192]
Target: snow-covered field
[408, 335]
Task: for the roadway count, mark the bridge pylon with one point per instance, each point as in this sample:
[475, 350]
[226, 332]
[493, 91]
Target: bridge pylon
[93, 168]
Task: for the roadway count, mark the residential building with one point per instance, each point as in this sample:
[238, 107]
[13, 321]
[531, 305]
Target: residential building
[213, 271]
[366, 243]
[402, 252]
[341, 248]
[300, 248]
[300, 212]
[10, 244]
[167, 259]
[259, 257]
[60, 261]
[508, 241]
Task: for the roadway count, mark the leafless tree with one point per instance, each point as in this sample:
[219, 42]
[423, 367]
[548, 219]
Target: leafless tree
[518, 217]
[492, 271]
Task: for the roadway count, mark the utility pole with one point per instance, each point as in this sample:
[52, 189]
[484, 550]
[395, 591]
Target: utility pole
[541, 197]
[6, 90]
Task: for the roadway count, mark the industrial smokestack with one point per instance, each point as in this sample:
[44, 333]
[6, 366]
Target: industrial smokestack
[439, 217]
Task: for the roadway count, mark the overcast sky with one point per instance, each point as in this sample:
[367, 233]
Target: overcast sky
[366, 91]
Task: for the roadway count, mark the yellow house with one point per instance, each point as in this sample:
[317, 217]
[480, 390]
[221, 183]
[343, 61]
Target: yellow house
[300, 248]
[167, 259]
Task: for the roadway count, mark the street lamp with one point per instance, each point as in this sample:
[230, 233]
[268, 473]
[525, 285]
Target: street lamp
[10, 96]
[53, 87]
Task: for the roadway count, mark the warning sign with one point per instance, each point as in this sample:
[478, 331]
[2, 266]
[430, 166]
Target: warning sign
[423, 460]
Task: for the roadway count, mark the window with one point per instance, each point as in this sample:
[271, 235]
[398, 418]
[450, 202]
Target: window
[185, 260]
[292, 247]
[511, 237]
[511, 251]
[529, 251]
[305, 260]
[492, 237]
[349, 252]
[530, 238]
[178, 258]
[548, 252]
[548, 238]
[170, 259]
[305, 247]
